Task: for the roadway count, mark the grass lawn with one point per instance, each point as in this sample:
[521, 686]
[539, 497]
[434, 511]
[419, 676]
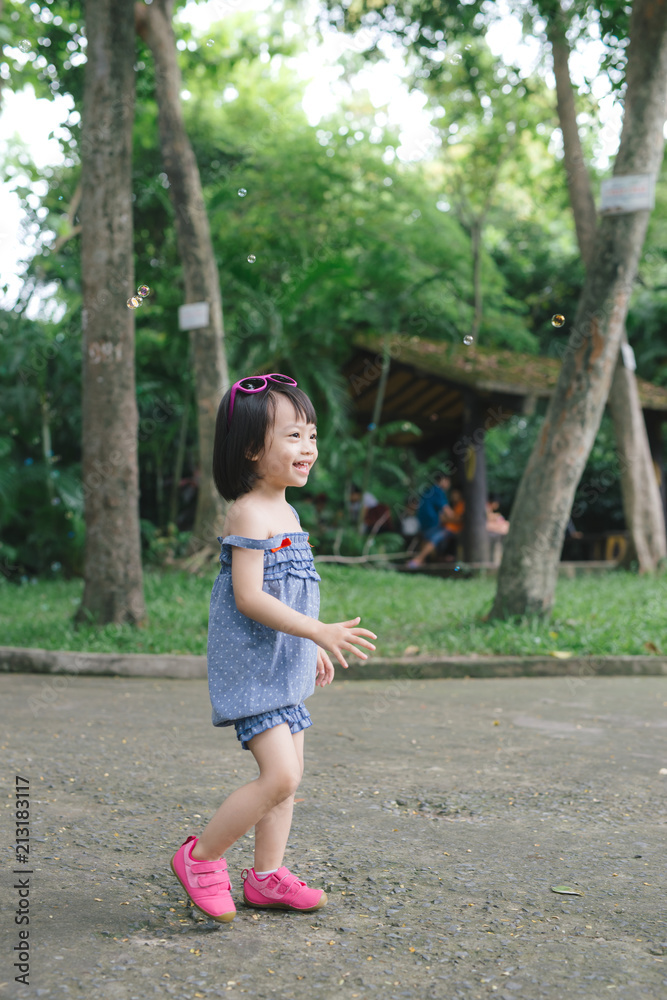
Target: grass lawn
[612, 614]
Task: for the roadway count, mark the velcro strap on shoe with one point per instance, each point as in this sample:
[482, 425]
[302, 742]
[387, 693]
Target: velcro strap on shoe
[215, 878]
[201, 867]
[290, 886]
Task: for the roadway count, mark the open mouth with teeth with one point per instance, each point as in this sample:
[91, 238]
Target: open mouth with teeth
[301, 466]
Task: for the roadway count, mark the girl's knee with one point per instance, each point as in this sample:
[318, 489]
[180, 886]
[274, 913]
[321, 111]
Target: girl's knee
[283, 782]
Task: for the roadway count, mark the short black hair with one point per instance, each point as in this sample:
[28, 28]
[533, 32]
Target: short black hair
[233, 472]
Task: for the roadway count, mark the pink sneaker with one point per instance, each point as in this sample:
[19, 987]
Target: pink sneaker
[282, 891]
[206, 882]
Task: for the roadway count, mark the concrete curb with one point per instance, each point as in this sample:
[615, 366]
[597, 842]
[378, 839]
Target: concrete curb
[44, 661]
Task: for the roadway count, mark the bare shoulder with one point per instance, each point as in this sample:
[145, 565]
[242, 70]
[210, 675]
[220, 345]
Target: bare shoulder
[247, 519]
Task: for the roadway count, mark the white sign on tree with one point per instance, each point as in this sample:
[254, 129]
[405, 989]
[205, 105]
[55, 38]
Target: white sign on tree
[193, 316]
[629, 193]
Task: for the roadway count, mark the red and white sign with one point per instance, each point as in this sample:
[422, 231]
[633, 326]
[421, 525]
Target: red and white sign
[631, 193]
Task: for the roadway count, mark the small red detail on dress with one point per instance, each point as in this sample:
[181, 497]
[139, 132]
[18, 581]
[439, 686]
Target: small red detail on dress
[283, 545]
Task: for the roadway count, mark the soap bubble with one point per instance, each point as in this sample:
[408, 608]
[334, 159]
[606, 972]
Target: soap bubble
[210, 42]
[557, 320]
[242, 192]
[24, 45]
[457, 569]
[251, 258]
[134, 302]
[143, 291]
[55, 501]
[55, 566]
[371, 427]
[468, 340]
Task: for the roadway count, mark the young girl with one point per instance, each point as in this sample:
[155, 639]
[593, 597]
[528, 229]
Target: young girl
[266, 647]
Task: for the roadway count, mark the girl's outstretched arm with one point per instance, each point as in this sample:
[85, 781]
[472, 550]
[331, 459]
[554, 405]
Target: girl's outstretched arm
[251, 600]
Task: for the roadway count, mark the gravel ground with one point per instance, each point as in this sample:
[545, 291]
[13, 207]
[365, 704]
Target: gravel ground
[436, 814]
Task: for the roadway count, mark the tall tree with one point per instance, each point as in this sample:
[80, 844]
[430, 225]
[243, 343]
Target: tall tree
[642, 501]
[529, 568]
[113, 590]
[200, 272]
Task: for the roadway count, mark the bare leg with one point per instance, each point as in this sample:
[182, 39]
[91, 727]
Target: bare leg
[425, 551]
[279, 776]
[273, 829]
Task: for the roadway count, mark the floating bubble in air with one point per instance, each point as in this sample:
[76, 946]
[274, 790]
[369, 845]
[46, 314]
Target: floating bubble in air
[251, 258]
[24, 45]
[143, 291]
[371, 427]
[557, 320]
[55, 566]
[468, 340]
[242, 192]
[134, 302]
[210, 42]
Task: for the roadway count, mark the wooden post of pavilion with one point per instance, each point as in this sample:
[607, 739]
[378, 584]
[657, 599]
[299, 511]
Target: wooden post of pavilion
[654, 432]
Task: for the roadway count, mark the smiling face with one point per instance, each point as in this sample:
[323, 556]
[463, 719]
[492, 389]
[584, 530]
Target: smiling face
[290, 449]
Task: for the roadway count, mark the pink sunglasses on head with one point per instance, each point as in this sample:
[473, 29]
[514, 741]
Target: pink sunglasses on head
[256, 383]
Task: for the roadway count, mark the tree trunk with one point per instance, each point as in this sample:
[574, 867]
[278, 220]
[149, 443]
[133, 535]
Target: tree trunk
[375, 421]
[200, 272]
[113, 590]
[529, 568]
[476, 543]
[642, 501]
[578, 181]
[644, 513]
[476, 241]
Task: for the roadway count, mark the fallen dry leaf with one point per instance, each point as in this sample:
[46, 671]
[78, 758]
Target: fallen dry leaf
[565, 890]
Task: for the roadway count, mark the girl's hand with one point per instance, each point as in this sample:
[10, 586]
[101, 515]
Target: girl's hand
[341, 635]
[325, 670]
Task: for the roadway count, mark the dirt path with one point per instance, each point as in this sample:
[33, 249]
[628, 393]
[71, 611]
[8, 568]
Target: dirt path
[437, 814]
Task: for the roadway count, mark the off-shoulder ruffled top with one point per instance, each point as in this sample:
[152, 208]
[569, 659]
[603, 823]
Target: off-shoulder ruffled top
[253, 668]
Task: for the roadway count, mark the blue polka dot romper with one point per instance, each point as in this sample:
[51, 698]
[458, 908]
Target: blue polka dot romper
[259, 677]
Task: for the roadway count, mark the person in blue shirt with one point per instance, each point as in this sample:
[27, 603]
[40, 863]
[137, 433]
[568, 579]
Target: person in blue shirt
[431, 506]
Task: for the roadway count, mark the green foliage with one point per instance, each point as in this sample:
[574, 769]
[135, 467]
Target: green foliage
[347, 238]
[598, 504]
[162, 548]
